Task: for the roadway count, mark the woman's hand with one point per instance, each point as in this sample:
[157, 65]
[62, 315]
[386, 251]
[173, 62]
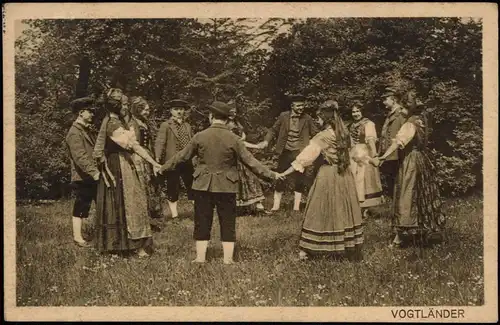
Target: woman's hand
[377, 161]
[262, 145]
[279, 176]
[156, 169]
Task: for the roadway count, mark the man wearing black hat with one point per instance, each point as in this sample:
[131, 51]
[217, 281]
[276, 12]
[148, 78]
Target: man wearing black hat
[173, 136]
[216, 179]
[294, 129]
[84, 172]
[393, 122]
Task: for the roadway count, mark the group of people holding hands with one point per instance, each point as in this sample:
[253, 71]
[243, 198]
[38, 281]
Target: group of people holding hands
[123, 169]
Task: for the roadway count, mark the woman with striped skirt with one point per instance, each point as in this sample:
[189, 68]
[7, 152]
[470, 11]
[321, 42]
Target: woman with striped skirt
[332, 222]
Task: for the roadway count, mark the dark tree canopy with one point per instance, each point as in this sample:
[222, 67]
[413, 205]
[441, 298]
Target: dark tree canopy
[255, 64]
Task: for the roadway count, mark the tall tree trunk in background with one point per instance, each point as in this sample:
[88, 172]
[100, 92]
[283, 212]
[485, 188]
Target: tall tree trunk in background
[83, 77]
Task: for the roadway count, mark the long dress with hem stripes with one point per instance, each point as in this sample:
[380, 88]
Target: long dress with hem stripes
[332, 221]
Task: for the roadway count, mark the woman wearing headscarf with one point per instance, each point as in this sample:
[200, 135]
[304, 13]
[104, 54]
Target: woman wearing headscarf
[417, 204]
[122, 221]
[144, 131]
[332, 222]
[367, 176]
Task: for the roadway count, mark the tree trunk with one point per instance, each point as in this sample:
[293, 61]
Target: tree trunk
[83, 77]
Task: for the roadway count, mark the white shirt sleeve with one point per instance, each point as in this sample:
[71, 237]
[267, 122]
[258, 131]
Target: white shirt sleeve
[124, 138]
[405, 134]
[307, 156]
[370, 132]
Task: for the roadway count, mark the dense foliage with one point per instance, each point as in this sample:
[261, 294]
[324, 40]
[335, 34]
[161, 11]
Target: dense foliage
[254, 63]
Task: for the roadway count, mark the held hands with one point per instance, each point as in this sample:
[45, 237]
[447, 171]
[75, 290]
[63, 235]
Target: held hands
[262, 145]
[279, 176]
[377, 161]
[156, 169]
[96, 176]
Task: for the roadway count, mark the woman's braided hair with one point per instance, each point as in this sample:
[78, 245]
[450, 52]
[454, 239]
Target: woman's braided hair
[342, 136]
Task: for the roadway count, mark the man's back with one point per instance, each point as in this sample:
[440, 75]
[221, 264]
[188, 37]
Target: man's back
[217, 160]
[216, 148]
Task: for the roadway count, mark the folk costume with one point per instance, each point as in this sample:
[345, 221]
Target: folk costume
[250, 189]
[144, 135]
[122, 212]
[80, 142]
[332, 217]
[367, 177]
[216, 180]
[390, 128]
[173, 136]
[417, 203]
[293, 132]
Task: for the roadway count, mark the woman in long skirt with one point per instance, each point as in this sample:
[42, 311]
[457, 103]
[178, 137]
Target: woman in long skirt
[144, 135]
[250, 189]
[367, 176]
[122, 222]
[417, 205]
[332, 222]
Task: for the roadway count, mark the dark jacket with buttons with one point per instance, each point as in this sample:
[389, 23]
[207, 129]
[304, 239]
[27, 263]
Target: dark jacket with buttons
[390, 129]
[307, 130]
[166, 140]
[218, 150]
[80, 144]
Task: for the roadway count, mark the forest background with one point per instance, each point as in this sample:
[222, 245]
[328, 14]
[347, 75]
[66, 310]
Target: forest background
[255, 63]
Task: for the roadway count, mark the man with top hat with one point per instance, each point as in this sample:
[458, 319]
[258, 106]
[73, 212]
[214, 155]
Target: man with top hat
[393, 122]
[216, 179]
[173, 136]
[293, 130]
[84, 171]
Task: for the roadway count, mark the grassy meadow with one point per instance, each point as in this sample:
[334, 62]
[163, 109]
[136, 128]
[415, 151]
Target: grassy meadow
[52, 271]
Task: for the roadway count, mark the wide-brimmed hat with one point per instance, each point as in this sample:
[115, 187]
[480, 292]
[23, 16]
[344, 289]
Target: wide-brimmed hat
[84, 103]
[296, 98]
[220, 108]
[178, 103]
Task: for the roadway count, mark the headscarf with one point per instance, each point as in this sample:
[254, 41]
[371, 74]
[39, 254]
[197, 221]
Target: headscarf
[137, 104]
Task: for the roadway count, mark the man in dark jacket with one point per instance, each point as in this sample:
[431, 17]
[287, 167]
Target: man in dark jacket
[173, 136]
[84, 172]
[393, 122]
[216, 179]
[293, 130]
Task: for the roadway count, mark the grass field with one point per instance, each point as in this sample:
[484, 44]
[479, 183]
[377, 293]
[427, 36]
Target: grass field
[52, 271]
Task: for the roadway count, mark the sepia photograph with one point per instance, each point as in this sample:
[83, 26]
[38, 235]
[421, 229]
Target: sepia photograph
[320, 155]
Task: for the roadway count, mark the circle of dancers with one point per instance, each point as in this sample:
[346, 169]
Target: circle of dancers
[128, 163]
